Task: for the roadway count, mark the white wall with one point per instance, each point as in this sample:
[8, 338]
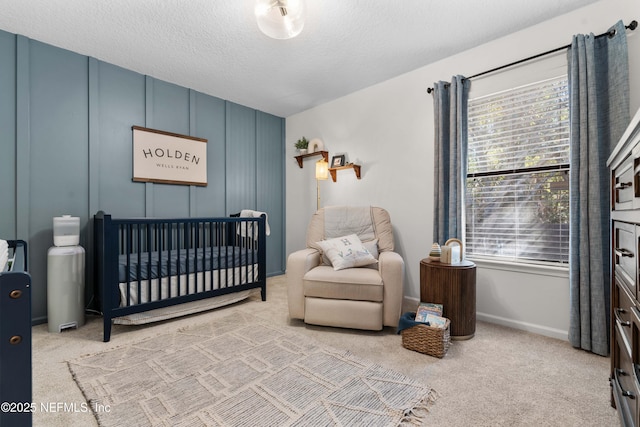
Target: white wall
[388, 129]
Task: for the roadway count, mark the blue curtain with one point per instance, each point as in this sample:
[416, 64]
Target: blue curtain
[450, 113]
[599, 114]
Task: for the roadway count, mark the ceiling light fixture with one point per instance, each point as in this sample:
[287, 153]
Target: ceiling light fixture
[280, 19]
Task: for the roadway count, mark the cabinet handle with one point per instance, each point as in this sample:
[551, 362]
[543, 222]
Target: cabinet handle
[626, 393]
[623, 185]
[623, 252]
[617, 313]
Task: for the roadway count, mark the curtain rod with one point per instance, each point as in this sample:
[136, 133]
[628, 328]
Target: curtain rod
[632, 26]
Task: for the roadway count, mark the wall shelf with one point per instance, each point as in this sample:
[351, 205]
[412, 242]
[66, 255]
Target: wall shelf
[356, 169]
[324, 154]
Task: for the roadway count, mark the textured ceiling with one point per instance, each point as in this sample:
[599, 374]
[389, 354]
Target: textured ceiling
[215, 47]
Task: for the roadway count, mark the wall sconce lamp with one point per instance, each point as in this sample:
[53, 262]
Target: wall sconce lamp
[280, 19]
[322, 173]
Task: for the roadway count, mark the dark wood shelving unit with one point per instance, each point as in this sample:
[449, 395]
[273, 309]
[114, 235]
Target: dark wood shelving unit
[301, 157]
[356, 169]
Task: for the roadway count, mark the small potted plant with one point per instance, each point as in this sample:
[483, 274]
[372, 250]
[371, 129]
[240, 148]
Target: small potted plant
[302, 144]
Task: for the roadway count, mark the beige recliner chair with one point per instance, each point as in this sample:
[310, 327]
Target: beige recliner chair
[367, 297]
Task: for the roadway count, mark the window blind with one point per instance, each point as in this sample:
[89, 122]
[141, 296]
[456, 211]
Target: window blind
[517, 198]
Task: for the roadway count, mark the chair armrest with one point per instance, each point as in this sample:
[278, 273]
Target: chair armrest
[298, 263]
[391, 267]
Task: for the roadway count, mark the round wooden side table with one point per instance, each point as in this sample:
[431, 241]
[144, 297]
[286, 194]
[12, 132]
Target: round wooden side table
[453, 286]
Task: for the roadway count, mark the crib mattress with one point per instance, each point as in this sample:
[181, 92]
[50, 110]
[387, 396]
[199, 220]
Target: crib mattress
[145, 265]
[158, 289]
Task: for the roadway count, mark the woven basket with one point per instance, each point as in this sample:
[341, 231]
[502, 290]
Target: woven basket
[427, 339]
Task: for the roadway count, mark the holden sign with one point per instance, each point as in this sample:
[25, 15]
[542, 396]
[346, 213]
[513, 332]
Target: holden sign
[168, 157]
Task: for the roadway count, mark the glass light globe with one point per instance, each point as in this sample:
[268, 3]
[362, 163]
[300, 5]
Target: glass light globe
[280, 19]
[322, 169]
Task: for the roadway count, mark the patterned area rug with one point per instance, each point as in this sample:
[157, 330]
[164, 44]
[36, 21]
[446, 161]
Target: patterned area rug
[244, 372]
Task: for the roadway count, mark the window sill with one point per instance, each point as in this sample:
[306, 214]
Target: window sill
[519, 267]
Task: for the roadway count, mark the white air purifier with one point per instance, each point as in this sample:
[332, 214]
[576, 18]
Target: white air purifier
[65, 276]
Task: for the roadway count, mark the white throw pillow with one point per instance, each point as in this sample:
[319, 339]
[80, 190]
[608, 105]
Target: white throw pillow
[372, 247]
[346, 252]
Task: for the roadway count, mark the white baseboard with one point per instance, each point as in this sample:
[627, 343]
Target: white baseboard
[411, 303]
[524, 326]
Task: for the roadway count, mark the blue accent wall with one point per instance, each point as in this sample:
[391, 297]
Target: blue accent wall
[8, 135]
[66, 148]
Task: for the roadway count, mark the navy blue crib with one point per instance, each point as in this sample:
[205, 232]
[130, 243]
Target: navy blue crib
[144, 264]
[15, 338]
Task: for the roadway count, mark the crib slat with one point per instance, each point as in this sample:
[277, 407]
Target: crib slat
[139, 253]
[149, 251]
[232, 261]
[221, 242]
[159, 247]
[192, 246]
[128, 264]
[245, 246]
[211, 243]
[169, 258]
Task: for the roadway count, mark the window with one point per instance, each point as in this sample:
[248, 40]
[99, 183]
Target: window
[517, 201]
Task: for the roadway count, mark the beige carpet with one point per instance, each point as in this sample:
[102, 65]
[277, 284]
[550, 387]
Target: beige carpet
[241, 371]
[501, 377]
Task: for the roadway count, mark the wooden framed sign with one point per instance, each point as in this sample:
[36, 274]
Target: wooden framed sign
[168, 158]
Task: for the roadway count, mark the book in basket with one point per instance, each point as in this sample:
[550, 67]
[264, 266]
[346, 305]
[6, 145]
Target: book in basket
[436, 321]
[426, 308]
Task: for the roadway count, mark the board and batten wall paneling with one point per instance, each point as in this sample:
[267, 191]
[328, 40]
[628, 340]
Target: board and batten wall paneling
[271, 187]
[67, 149]
[121, 103]
[58, 133]
[23, 141]
[240, 158]
[8, 136]
[209, 122]
[169, 112]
